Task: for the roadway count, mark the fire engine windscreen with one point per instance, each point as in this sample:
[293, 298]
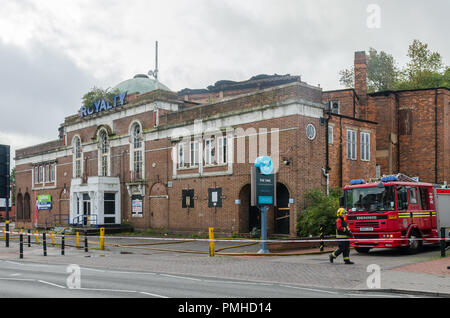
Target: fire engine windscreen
[370, 199]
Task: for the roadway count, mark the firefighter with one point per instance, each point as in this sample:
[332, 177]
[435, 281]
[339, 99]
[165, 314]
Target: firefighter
[342, 234]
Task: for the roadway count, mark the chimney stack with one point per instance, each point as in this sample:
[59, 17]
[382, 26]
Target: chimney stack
[361, 77]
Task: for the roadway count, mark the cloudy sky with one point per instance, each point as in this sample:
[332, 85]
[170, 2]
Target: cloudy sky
[53, 51]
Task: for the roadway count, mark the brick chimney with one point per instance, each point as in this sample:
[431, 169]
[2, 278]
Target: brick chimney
[361, 77]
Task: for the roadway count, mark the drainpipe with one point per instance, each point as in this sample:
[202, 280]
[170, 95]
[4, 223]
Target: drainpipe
[436, 136]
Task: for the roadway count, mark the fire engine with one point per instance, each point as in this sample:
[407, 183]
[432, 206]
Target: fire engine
[395, 211]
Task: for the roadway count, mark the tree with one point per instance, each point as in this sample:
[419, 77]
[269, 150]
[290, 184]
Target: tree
[382, 73]
[96, 94]
[425, 69]
[320, 209]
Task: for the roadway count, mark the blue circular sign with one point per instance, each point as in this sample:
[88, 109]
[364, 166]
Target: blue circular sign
[264, 164]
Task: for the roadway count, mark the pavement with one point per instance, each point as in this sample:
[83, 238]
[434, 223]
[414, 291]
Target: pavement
[423, 274]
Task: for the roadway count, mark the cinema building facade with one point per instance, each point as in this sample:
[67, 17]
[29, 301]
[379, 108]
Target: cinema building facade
[158, 159]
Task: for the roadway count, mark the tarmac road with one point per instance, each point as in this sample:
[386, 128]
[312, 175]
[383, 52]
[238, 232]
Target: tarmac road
[26, 279]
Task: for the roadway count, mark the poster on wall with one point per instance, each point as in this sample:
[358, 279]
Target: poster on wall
[136, 206]
[44, 202]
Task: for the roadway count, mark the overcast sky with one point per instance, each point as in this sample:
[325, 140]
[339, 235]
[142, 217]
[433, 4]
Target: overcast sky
[52, 52]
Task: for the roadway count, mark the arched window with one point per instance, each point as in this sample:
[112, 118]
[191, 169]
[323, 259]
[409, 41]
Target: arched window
[137, 152]
[19, 207]
[77, 158]
[27, 207]
[103, 151]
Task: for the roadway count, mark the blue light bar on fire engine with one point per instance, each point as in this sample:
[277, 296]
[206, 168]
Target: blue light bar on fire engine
[389, 178]
[357, 181]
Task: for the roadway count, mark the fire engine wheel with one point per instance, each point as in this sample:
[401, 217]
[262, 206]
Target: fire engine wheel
[415, 243]
[362, 250]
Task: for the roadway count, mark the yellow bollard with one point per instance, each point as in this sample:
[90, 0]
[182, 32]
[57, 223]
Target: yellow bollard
[37, 236]
[211, 242]
[102, 238]
[53, 238]
[78, 239]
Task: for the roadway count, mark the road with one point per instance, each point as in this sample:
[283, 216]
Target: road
[29, 279]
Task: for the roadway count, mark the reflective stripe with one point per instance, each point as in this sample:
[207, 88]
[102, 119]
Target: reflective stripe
[341, 236]
[346, 258]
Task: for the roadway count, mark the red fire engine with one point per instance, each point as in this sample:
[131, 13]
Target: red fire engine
[396, 211]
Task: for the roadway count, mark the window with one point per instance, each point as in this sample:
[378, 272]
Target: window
[47, 173]
[182, 155]
[412, 195]
[351, 144]
[222, 150]
[402, 198]
[187, 198]
[311, 132]
[209, 152]
[109, 200]
[194, 153]
[424, 202]
[77, 158]
[36, 174]
[103, 153]
[52, 172]
[41, 174]
[365, 146]
[330, 135]
[137, 151]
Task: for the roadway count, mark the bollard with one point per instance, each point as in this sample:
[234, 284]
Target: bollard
[443, 242]
[44, 243]
[211, 242]
[7, 233]
[86, 242]
[102, 238]
[78, 240]
[53, 238]
[21, 245]
[62, 243]
[37, 237]
[29, 238]
[321, 238]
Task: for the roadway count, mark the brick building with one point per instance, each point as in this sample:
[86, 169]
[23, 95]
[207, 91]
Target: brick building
[156, 159]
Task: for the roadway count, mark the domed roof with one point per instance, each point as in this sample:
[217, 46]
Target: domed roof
[140, 84]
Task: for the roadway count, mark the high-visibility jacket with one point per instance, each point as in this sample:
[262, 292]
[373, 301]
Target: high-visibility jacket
[342, 230]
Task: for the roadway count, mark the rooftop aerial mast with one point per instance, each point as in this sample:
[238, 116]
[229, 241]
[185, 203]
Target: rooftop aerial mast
[154, 73]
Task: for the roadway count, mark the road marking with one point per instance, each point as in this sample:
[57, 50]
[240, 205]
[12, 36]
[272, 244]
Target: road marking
[310, 289]
[18, 279]
[108, 290]
[181, 277]
[16, 274]
[51, 284]
[154, 295]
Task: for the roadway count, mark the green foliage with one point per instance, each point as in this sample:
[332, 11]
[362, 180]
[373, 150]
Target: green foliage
[96, 94]
[382, 73]
[425, 69]
[320, 209]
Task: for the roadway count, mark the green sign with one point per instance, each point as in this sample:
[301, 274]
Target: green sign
[44, 202]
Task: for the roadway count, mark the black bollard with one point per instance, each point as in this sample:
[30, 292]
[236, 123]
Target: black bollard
[7, 233]
[44, 244]
[29, 238]
[21, 245]
[86, 242]
[443, 242]
[62, 244]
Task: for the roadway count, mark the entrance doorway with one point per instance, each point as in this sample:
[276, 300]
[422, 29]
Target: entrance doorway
[86, 208]
[282, 211]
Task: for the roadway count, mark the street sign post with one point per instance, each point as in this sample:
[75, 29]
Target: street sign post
[4, 184]
[263, 193]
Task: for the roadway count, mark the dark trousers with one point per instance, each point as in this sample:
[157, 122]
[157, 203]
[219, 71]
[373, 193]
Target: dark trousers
[343, 248]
